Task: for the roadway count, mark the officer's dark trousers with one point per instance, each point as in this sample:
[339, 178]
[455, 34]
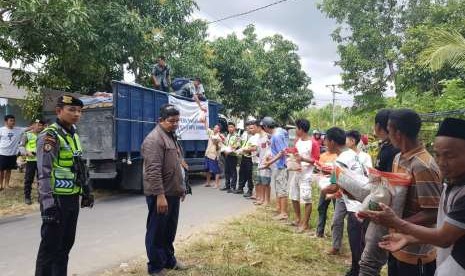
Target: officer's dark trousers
[230, 172]
[245, 174]
[58, 239]
[31, 171]
[161, 231]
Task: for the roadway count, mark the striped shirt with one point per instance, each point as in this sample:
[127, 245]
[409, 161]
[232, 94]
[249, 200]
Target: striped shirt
[424, 193]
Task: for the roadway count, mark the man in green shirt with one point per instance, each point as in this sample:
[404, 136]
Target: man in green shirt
[28, 148]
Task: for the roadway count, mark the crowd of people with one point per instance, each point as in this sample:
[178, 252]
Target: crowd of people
[420, 231]
[378, 236]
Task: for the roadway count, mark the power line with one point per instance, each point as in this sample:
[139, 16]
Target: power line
[247, 12]
[334, 92]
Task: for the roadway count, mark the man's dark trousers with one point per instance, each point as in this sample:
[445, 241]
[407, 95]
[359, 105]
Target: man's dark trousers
[31, 172]
[356, 231]
[230, 172]
[58, 238]
[396, 267]
[245, 174]
[160, 235]
[323, 205]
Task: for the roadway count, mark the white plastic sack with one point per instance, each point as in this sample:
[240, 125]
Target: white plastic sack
[355, 184]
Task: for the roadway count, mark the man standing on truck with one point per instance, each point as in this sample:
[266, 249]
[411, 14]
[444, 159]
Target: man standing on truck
[62, 178]
[164, 189]
[161, 75]
[28, 148]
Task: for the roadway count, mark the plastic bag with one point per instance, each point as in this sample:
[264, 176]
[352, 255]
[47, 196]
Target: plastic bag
[352, 205]
[323, 182]
[355, 184]
[291, 162]
[324, 167]
[388, 188]
[380, 193]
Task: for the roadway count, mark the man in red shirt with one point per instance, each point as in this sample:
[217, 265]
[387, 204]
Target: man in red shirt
[316, 145]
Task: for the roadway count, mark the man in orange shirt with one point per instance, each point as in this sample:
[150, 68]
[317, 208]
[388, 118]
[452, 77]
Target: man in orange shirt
[327, 158]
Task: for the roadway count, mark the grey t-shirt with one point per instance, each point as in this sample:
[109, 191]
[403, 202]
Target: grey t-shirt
[10, 139]
[161, 74]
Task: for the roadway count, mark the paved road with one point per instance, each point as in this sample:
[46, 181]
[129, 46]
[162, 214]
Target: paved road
[112, 232]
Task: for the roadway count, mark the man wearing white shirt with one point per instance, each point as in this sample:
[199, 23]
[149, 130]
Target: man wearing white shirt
[364, 159]
[10, 137]
[300, 181]
[349, 159]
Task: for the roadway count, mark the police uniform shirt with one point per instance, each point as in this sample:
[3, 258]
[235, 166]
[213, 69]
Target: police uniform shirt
[48, 146]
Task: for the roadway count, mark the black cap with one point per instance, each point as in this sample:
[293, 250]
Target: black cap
[69, 100]
[452, 127]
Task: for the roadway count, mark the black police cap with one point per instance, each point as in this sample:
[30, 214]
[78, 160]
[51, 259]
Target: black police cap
[69, 100]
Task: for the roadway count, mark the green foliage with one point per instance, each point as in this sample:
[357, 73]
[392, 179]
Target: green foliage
[445, 48]
[81, 45]
[382, 42]
[260, 77]
[345, 118]
[453, 96]
[367, 44]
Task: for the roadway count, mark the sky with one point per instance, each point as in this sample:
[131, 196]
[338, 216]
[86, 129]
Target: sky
[297, 20]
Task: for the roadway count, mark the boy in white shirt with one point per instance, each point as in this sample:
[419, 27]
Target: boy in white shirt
[300, 180]
[10, 136]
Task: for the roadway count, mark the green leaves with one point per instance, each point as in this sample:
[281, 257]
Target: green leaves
[260, 77]
[445, 48]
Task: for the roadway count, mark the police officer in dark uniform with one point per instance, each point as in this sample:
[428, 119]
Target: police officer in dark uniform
[62, 180]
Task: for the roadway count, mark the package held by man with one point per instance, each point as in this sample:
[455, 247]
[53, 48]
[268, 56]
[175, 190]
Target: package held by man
[355, 184]
[388, 188]
[291, 162]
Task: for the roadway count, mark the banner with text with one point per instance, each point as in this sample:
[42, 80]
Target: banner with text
[191, 126]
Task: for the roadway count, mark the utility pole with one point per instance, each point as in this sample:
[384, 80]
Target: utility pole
[334, 92]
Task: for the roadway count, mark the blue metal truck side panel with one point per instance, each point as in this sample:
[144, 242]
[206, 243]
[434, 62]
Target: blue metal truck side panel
[136, 112]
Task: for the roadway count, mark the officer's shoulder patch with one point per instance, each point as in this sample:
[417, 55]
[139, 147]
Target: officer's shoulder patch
[50, 142]
[48, 147]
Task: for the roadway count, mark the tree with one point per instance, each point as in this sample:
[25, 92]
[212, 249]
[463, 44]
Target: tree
[285, 84]
[446, 48]
[380, 43]
[238, 71]
[260, 76]
[81, 45]
[368, 48]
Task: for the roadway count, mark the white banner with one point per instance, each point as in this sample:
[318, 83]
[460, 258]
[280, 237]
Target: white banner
[190, 126]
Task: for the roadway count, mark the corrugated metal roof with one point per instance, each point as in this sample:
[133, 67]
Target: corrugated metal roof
[7, 89]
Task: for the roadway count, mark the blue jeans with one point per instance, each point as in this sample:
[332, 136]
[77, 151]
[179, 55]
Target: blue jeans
[161, 231]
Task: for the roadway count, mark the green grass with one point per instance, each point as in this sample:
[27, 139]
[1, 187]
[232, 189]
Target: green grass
[12, 198]
[253, 244]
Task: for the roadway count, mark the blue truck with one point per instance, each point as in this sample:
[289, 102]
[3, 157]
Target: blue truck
[112, 133]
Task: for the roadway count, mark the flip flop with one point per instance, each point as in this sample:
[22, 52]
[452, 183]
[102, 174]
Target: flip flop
[292, 223]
